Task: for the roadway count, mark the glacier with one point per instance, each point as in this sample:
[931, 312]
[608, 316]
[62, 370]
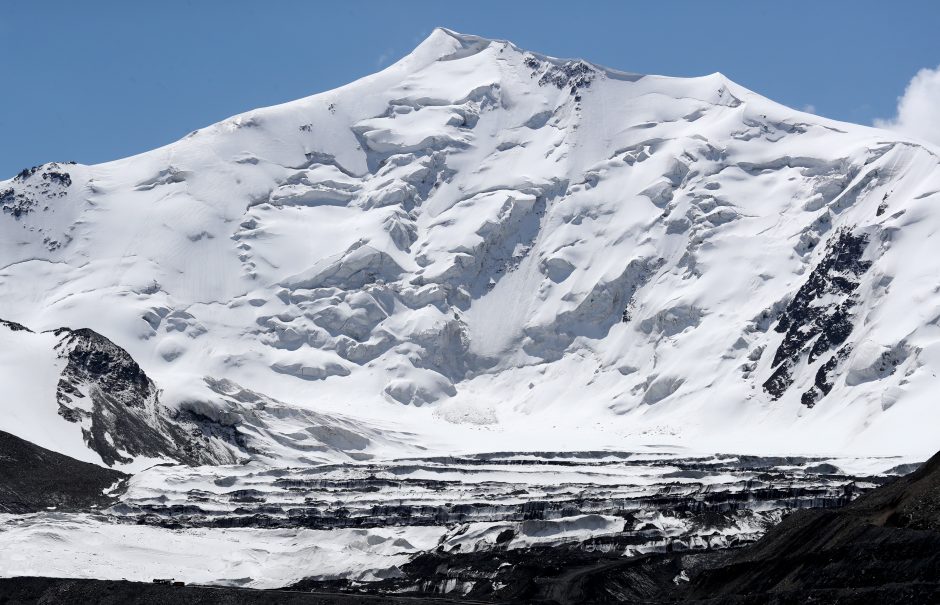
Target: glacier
[478, 250]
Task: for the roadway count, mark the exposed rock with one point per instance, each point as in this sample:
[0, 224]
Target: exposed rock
[819, 317]
[33, 187]
[118, 406]
[34, 479]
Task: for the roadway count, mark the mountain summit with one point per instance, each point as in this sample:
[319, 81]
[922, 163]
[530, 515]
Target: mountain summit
[479, 248]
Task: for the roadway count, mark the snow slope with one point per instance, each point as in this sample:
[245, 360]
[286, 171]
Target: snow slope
[492, 249]
[29, 371]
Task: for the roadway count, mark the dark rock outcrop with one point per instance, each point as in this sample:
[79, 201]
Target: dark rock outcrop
[33, 187]
[118, 405]
[819, 318]
[33, 479]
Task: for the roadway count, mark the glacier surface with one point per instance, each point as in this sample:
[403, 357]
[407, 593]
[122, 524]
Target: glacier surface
[463, 303]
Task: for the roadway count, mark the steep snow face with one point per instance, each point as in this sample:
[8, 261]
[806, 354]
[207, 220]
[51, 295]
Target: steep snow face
[492, 248]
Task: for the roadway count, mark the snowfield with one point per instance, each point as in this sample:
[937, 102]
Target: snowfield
[477, 249]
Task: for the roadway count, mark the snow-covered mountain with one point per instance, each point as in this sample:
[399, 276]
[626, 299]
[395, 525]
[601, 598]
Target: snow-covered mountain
[480, 248]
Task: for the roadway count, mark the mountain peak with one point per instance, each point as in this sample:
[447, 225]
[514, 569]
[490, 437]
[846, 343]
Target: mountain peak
[512, 240]
[444, 44]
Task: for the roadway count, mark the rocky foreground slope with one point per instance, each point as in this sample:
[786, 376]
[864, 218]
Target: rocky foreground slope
[33, 479]
[882, 548]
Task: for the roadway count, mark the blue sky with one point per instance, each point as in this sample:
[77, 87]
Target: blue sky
[95, 81]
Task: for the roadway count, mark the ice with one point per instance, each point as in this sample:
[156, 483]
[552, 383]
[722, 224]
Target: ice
[59, 545]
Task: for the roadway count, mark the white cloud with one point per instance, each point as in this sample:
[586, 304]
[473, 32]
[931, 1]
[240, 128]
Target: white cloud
[384, 58]
[809, 108]
[918, 108]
